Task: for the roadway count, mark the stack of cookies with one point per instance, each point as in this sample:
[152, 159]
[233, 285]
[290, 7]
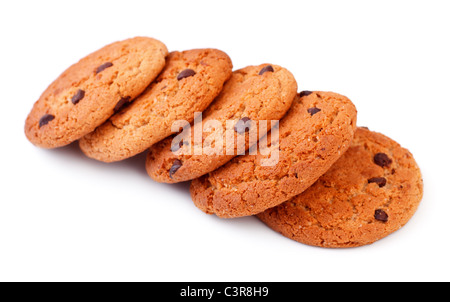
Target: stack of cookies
[248, 141]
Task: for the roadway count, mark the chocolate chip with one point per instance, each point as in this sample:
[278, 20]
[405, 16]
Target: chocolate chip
[305, 93]
[79, 95]
[122, 104]
[382, 160]
[265, 69]
[241, 126]
[380, 181]
[46, 119]
[103, 67]
[175, 166]
[313, 110]
[185, 74]
[381, 215]
[176, 147]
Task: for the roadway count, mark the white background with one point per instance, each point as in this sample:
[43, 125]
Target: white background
[64, 217]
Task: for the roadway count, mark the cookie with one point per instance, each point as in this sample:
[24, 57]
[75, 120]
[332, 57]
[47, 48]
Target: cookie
[88, 93]
[370, 192]
[253, 94]
[188, 83]
[315, 132]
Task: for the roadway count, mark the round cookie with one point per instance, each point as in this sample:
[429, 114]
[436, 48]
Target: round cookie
[370, 192]
[315, 132]
[253, 94]
[87, 93]
[188, 83]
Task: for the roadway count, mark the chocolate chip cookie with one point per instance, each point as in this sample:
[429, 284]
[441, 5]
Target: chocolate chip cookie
[188, 83]
[315, 132]
[253, 94]
[370, 192]
[89, 92]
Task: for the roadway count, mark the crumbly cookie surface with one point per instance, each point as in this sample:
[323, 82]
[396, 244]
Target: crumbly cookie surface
[253, 94]
[315, 132]
[370, 192]
[87, 93]
[188, 83]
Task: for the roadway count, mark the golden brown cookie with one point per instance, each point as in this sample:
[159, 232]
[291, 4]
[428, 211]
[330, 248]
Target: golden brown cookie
[253, 94]
[315, 132]
[189, 83]
[89, 92]
[370, 192]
